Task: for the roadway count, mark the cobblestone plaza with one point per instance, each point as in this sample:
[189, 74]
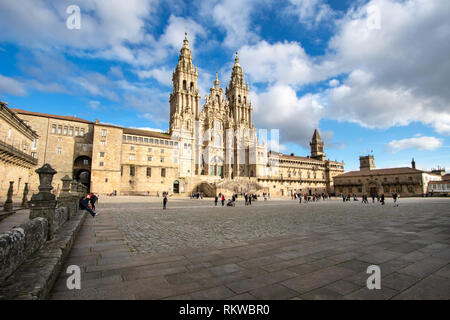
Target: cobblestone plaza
[275, 249]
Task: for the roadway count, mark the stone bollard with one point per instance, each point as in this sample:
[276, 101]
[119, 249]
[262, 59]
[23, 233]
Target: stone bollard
[73, 186]
[43, 203]
[65, 184]
[80, 188]
[8, 206]
[25, 196]
[67, 198]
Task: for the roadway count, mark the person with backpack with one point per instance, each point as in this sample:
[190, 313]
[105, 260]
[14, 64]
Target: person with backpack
[92, 200]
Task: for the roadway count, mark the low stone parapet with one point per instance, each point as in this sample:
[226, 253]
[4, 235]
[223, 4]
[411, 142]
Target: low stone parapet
[36, 276]
[19, 243]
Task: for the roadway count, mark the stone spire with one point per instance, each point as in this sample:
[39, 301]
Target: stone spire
[317, 146]
[216, 82]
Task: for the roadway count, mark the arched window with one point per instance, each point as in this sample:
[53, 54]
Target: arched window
[192, 87]
[245, 100]
[184, 85]
[217, 98]
[239, 98]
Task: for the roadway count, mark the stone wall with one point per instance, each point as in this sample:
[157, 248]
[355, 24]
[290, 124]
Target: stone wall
[61, 216]
[19, 243]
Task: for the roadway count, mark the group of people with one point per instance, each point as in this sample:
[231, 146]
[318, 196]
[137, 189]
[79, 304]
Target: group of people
[308, 198]
[197, 195]
[380, 199]
[87, 203]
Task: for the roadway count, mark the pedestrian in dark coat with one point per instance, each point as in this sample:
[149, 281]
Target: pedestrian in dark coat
[165, 201]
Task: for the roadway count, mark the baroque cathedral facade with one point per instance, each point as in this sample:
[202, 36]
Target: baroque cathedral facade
[211, 149]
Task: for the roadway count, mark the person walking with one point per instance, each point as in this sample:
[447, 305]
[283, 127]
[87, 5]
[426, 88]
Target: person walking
[165, 201]
[92, 200]
[223, 200]
[395, 197]
[373, 198]
[382, 199]
[246, 199]
[216, 199]
[250, 199]
[84, 205]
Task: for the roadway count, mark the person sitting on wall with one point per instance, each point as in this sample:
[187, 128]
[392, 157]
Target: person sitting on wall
[84, 205]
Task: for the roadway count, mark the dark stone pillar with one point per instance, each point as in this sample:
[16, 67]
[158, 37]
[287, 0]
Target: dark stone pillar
[8, 206]
[43, 203]
[25, 196]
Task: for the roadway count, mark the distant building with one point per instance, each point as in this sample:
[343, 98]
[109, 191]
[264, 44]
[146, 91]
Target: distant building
[17, 151]
[440, 188]
[406, 181]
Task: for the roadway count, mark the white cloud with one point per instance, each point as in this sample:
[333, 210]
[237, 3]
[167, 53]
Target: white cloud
[162, 75]
[333, 83]
[234, 16]
[148, 129]
[420, 143]
[284, 62]
[310, 12]
[279, 108]
[398, 73]
[11, 86]
[94, 104]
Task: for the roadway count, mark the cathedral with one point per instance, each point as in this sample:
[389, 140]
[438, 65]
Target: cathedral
[211, 149]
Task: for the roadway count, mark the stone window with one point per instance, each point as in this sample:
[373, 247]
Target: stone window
[135, 139]
[102, 154]
[58, 151]
[131, 147]
[166, 142]
[141, 139]
[175, 144]
[171, 143]
[128, 138]
[162, 159]
[103, 132]
[34, 144]
[106, 179]
[65, 130]
[163, 172]
[59, 129]
[76, 132]
[145, 140]
[101, 164]
[149, 149]
[132, 170]
[102, 143]
[121, 170]
[33, 154]
[151, 140]
[70, 131]
[184, 85]
[82, 132]
[131, 156]
[124, 138]
[85, 162]
[149, 158]
[53, 128]
[162, 150]
[149, 172]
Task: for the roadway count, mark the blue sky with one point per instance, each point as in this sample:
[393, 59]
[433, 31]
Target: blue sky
[371, 75]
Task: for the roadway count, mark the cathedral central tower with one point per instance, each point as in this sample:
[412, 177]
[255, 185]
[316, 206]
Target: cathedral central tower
[185, 98]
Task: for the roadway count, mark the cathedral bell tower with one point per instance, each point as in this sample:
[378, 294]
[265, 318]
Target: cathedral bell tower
[185, 98]
[317, 147]
[237, 96]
